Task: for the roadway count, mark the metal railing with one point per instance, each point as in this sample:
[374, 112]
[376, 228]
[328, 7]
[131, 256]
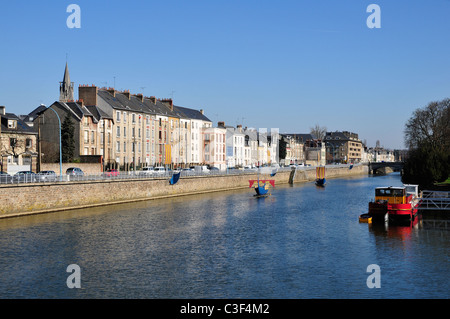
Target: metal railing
[144, 175]
[435, 200]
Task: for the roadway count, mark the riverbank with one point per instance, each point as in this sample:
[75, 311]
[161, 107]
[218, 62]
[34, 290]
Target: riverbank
[38, 198]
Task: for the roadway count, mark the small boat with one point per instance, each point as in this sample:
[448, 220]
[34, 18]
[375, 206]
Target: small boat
[365, 218]
[320, 176]
[262, 185]
[395, 203]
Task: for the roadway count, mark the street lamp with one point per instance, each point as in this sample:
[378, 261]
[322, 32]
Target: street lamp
[60, 148]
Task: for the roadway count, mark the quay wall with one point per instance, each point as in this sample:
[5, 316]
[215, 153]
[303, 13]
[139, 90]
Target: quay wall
[37, 198]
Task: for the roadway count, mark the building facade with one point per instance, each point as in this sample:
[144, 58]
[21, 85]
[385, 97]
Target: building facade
[18, 144]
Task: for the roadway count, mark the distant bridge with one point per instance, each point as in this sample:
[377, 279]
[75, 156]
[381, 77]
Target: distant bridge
[374, 166]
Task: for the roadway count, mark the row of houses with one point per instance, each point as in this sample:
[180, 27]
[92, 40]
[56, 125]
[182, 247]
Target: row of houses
[129, 131]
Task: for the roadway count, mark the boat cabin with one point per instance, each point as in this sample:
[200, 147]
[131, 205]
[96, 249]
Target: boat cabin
[396, 195]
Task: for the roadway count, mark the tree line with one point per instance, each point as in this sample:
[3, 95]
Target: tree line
[427, 136]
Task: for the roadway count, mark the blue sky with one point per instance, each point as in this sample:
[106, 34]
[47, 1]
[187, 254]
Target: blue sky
[281, 64]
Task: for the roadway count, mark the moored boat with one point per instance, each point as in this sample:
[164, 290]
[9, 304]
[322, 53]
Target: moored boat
[320, 176]
[261, 186]
[395, 203]
[365, 218]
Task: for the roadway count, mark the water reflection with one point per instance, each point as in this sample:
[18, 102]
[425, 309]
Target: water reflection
[301, 242]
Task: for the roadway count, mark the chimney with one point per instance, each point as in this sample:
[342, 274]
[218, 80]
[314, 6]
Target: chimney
[168, 103]
[239, 127]
[201, 111]
[139, 96]
[81, 102]
[2, 110]
[221, 124]
[88, 94]
[112, 91]
[126, 93]
[153, 99]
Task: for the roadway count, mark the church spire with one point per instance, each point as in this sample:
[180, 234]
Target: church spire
[66, 87]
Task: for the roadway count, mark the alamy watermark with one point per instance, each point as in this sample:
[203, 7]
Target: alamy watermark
[374, 279]
[374, 20]
[74, 19]
[74, 280]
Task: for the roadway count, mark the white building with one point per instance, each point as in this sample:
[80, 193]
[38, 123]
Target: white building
[215, 147]
[235, 144]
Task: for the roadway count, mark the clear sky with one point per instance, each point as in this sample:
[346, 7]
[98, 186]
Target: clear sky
[261, 63]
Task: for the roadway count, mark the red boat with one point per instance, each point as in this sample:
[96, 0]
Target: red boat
[395, 203]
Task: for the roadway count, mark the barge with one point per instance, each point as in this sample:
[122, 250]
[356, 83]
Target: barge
[395, 203]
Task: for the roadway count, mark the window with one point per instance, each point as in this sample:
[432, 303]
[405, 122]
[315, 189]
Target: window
[124, 132]
[12, 142]
[86, 137]
[12, 124]
[133, 118]
[118, 147]
[28, 143]
[118, 131]
[118, 116]
[92, 137]
[124, 117]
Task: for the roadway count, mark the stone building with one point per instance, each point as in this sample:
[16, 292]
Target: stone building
[343, 147]
[17, 144]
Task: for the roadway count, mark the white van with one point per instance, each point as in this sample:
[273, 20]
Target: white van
[147, 171]
[201, 169]
[159, 170]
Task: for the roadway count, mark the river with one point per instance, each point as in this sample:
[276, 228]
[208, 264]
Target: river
[301, 242]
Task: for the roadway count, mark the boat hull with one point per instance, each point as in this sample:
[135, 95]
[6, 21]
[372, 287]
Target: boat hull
[395, 212]
[261, 191]
[320, 181]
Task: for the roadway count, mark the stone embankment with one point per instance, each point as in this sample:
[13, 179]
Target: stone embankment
[37, 198]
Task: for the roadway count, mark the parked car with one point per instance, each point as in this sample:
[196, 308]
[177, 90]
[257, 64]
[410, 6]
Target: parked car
[74, 171]
[201, 169]
[212, 168]
[159, 170]
[5, 178]
[46, 176]
[147, 171]
[111, 172]
[24, 177]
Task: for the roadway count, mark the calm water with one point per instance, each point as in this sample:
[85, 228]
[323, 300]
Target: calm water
[301, 242]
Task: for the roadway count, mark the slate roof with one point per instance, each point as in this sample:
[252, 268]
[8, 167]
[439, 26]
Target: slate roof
[33, 114]
[22, 127]
[192, 114]
[98, 113]
[299, 136]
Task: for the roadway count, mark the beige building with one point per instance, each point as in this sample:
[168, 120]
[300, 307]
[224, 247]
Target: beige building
[17, 144]
[343, 147]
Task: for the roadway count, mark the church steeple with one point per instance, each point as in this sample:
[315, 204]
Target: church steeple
[66, 87]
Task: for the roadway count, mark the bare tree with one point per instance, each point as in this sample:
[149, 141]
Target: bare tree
[430, 125]
[13, 145]
[318, 131]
